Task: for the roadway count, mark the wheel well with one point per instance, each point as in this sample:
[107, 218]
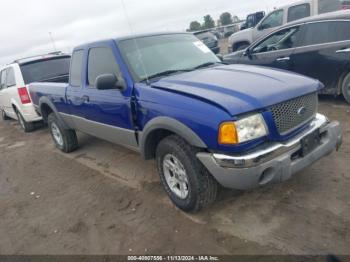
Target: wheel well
[153, 140]
[45, 111]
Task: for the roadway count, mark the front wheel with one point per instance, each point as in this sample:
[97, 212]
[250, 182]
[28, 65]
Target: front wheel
[186, 181]
[26, 126]
[346, 88]
[65, 139]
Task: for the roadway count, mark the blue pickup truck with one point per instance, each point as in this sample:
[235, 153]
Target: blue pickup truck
[168, 97]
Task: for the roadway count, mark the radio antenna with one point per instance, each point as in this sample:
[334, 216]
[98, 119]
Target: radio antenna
[53, 42]
[135, 41]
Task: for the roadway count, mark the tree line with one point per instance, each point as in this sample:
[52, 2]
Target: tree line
[208, 22]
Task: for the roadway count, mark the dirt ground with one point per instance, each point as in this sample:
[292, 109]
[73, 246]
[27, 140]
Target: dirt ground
[104, 199]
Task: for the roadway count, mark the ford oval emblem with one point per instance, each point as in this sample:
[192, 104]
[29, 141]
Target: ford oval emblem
[302, 110]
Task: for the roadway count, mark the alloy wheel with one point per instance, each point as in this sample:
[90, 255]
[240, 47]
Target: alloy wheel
[176, 176]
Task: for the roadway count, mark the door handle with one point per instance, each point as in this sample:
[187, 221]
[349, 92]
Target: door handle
[346, 50]
[281, 59]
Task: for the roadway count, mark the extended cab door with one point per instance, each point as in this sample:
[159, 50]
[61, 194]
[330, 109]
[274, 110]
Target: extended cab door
[104, 113]
[324, 53]
[275, 50]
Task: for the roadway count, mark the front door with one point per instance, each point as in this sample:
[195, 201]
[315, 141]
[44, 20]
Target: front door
[275, 50]
[107, 113]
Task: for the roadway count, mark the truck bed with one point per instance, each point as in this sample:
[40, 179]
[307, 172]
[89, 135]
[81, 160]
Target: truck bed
[56, 91]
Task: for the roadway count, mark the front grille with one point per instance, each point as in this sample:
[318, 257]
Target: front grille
[294, 113]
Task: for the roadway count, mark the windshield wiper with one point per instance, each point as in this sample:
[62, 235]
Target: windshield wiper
[166, 73]
[206, 65]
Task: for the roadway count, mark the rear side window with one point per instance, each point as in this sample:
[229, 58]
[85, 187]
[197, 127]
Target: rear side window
[341, 31]
[326, 6]
[101, 61]
[3, 79]
[298, 12]
[326, 32]
[10, 78]
[76, 68]
[50, 70]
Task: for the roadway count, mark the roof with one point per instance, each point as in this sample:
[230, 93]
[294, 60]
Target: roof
[338, 15]
[294, 3]
[130, 37]
[31, 59]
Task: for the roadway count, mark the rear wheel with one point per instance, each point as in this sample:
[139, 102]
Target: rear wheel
[4, 116]
[346, 88]
[186, 181]
[65, 139]
[26, 126]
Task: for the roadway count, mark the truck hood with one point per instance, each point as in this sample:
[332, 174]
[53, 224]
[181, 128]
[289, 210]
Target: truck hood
[240, 89]
[243, 35]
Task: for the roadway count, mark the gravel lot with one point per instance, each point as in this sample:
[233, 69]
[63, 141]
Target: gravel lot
[104, 199]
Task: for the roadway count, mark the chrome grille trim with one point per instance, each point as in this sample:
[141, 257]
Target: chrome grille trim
[288, 115]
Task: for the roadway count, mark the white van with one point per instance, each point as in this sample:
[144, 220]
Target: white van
[15, 101]
[279, 17]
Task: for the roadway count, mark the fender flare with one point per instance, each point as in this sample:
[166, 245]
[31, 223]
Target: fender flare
[48, 102]
[172, 125]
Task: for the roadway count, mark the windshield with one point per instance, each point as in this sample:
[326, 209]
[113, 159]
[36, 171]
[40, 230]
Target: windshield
[153, 55]
[45, 70]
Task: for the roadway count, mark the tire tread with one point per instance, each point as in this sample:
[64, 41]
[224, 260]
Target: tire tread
[207, 186]
[70, 140]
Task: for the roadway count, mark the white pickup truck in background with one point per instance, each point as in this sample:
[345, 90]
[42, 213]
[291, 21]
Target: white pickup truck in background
[279, 17]
[15, 101]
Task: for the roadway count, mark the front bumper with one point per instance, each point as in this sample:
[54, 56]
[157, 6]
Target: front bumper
[275, 163]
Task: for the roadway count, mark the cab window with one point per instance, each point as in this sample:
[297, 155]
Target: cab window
[272, 20]
[250, 21]
[76, 68]
[283, 39]
[326, 6]
[299, 12]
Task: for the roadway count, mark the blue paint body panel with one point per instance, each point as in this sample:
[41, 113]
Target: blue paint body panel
[201, 99]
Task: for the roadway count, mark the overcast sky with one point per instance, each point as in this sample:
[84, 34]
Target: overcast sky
[25, 24]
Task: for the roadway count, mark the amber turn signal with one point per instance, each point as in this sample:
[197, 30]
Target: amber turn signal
[228, 134]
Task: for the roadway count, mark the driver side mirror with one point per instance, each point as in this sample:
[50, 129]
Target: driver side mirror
[247, 52]
[109, 82]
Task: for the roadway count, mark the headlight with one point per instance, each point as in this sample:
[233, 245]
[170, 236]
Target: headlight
[246, 129]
